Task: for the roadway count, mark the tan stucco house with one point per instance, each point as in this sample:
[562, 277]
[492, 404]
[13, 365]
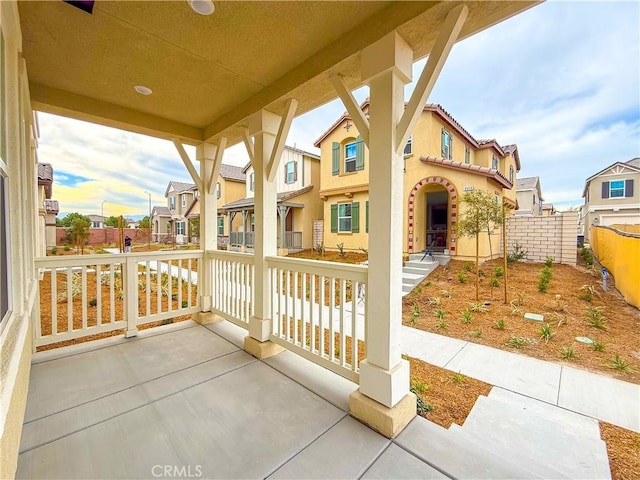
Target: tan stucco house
[47, 209]
[529, 197]
[298, 204]
[612, 197]
[442, 160]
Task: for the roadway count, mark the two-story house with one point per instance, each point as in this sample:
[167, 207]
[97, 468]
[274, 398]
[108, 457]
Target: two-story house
[47, 209]
[299, 205]
[529, 197]
[441, 162]
[170, 222]
[612, 196]
[229, 187]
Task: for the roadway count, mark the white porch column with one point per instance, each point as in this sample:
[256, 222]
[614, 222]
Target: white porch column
[206, 154]
[263, 127]
[384, 376]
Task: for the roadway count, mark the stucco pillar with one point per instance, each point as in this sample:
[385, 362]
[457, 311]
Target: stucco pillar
[384, 375]
[263, 127]
[206, 154]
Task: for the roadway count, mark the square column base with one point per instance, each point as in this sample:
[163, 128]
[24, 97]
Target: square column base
[385, 386]
[259, 349]
[204, 318]
[384, 420]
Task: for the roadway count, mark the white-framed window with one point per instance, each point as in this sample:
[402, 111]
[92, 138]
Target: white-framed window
[252, 182]
[616, 189]
[218, 190]
[511, 173]
[467, 155]
[290, 172]
[350, 152]
[180, 228]
[496, 199]
[494, 162]
[344, 217]
[220, 225]
[252, 221]
[184, 200]
[172, 203]
[447, 142]
[5, 247]
[408, 148]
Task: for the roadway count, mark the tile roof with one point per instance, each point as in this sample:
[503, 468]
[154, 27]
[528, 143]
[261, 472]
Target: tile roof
[282, 197]
[527, 183]
[475, 169]
[51, 206]
[45, 178]
[231, 172]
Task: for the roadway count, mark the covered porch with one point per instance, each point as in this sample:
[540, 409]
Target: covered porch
[190, 395]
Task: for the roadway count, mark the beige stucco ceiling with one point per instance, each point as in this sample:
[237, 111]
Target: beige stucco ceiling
[208, 73]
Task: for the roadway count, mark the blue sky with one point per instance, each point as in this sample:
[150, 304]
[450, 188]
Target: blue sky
[561, 80]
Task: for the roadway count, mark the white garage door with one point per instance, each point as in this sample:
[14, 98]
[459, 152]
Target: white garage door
[623, 219]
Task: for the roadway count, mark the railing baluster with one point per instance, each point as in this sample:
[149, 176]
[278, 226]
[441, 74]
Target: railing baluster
[69, 299]
[190, 269]
[112, 295]
[303, 321]
[343, 300]
[312, 309]
[179, 284]
[84, 297]
[294, 302]
[287, 295]
[321, 311]
[332, 307]
[354, 325]
[158, 287]
[147, 287]
[54, 301]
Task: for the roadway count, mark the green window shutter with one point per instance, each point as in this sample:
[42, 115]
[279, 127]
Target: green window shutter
[355, 217]
[359, 153]
[442, 144]
[367, 216]
[334, 218]
[335, 159]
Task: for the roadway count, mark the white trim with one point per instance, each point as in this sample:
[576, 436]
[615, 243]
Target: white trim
[610, 207]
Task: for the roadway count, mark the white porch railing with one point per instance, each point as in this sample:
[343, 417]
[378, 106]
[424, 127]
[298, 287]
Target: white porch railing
[87, 295]
[319, 311]
[232, 296]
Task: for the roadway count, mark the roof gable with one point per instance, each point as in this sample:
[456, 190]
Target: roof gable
[632, 166]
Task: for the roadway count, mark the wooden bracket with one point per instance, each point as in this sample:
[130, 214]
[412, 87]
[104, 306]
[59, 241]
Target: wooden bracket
[349, 101]
[217, 162]
[188, 163]
[281, 138]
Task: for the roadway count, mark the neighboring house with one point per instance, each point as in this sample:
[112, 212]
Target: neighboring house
[160, 223]
[297, 183]
[529, 196]
[47, 209]
[548, 209]
[97, 221]
[442, 161]
[612, 196]
[229, 187]
[179, 197]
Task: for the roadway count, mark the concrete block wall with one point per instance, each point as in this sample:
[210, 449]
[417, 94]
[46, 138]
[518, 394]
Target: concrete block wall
[554, 236]
[318, 233]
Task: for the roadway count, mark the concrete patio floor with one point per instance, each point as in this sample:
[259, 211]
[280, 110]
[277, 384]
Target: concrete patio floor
[183, 401]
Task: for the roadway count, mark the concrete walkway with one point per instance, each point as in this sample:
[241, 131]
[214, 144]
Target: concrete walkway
[586, 393]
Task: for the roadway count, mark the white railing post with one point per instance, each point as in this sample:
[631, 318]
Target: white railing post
[130, 290]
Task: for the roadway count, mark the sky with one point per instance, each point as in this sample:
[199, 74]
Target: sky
[561, 80]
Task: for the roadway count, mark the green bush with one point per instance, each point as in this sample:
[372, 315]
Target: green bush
[498, 271]
[462, 278]
[548, 262]
[517, 254]
[67, 248]
[54, 251]
[586, 255]
[468, 266]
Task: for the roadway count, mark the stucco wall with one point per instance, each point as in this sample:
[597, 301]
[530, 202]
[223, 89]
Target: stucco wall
[98, 236]
[620, 252]
[543, 237]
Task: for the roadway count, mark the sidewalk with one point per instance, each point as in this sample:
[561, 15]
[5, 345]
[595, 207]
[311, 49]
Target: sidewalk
[580, 391]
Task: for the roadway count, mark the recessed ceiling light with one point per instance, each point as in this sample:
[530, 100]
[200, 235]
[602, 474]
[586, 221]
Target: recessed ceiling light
[203, 7]
[142, 90]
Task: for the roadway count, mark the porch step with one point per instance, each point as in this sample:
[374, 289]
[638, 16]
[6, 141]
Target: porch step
[458, 457]
[411, 278]
[554, 442]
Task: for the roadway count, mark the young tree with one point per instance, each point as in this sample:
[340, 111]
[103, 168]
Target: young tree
[79, 232]
[481, 213]
[144, 222]
[68, 220]
[111, 222]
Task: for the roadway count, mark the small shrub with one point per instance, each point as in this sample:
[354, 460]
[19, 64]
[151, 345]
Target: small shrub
[419, 289]
[478, 307]
[434, 300]
[419, 386]
[481, 273]
[543, 279]
[546, 333]
[341, 249]
[494, 283]
[415, 314]
[459, 377]
[442, 325]
[597, 346]
[462, 278]
[93, 302]
[518, 253]
[595, 318]
[440, 313]
[560, 305]
[467, 316]
[54, 251]
[519, 300]
[499, 325]
[319, 249]
[428, 284]
[445, 293]
[468, 266]
[185, 304]
[586, 255]
[515, 309]
[67, 248]
[567, 353]
[520, 342]
[476, 333]
[587, 292]
[548, 262]
[619, 364]
[498, 271]
[422, 407]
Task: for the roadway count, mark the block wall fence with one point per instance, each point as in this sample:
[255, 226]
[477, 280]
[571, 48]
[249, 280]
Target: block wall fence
[99, 236]
[554, 236]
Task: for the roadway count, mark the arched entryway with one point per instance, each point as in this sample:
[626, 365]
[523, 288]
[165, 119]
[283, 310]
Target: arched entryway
[436, 221]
